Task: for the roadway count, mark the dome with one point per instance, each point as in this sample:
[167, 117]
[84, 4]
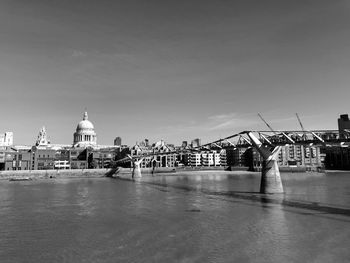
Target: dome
[85, 134]
[85, 125]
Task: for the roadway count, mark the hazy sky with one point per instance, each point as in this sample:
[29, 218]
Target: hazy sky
[171, 69]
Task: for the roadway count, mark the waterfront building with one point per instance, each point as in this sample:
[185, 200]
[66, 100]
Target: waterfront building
[223, 158]
[14, 159]
[103, 158]
[61, 165]
[293, 155]
[210, 158]
[195, 159]
[166, 156]
[338, 158]
[6, 139]
[235, 156]
[140, 148]
[207, 158]
[62, 159]
[43, 158]
[167, 159]
[79, 158]
[85, 135]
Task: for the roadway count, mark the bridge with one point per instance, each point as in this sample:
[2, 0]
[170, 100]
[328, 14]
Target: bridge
[267, 143]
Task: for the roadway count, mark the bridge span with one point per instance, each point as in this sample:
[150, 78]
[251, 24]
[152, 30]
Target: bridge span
[267, 143]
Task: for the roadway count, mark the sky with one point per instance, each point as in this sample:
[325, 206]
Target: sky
[171, 69]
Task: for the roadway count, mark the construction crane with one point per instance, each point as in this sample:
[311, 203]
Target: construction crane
[302, 127]
[266, 123]
[283, 133]
[304, 131]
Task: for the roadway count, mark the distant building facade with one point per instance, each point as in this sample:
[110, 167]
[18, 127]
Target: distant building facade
[118, 141]
[208, 158]
[343, 123]
[196, 142]
[6, 139]
[42, 139]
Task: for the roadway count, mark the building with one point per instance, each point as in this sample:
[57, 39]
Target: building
[223, 158]
[79, 158]
[343, 123]
[196, 143]
[85, 135]
[83, 154]
[62, 159]
[338, 158]
[235, 156]
[292, 155]
[118, 141]
[14, 159]
[194, 159]
[6, 139]
[42, 139]
[43, 158]
[103, 158]
[207, 158]
[165, 154]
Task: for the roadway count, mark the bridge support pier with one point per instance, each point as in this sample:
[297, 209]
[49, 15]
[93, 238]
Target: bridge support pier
[136, 171]
[271, 182]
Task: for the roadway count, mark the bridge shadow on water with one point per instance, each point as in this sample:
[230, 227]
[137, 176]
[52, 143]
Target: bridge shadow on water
[263, 199]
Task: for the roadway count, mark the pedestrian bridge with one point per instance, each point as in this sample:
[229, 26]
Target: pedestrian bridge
[267, 143]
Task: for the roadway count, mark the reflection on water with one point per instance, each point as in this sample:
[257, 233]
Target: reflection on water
[193, 217]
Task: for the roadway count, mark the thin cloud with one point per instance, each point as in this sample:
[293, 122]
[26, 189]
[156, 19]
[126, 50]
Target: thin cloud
[224, 122]
[231, 120]
[78, 53]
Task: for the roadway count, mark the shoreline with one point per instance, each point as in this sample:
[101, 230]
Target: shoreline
[123, 173]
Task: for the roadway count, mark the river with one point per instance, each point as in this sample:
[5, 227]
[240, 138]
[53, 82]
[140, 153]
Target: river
[191, 217]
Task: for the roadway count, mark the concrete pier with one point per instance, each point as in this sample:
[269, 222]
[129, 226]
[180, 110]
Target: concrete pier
[136, 171]
[271, 182]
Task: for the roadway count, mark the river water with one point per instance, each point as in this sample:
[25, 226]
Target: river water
[190, 217]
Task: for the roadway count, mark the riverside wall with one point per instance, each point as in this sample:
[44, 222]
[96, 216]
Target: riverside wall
[47, 174]
[74, 173]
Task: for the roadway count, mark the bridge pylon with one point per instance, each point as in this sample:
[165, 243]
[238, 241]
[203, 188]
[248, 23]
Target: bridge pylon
[271, 182]
[136, 167]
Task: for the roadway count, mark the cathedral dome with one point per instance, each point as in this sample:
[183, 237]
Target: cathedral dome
[85, 134]
[85, 124]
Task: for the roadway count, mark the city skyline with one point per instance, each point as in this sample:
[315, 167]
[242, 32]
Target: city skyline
[171, 70]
